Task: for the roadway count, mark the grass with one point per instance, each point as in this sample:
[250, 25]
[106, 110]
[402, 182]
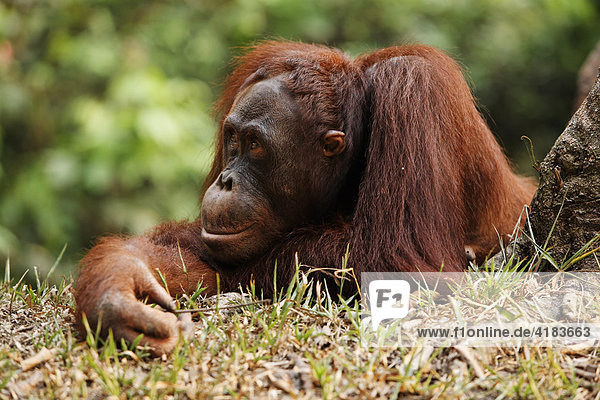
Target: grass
[301, 345]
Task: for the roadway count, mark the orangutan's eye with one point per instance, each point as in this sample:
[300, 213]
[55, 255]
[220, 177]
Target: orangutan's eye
[232, 138]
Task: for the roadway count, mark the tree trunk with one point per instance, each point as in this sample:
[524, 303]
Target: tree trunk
[565, 211]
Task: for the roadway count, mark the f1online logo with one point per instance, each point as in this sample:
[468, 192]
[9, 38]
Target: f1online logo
[388, 299]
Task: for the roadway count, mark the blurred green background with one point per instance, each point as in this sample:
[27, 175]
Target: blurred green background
[105, 106]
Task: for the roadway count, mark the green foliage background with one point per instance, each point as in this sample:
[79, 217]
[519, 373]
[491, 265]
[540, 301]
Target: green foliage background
[105, 105]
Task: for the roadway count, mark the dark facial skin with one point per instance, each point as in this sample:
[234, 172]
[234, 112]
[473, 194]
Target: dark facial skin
[266, 188]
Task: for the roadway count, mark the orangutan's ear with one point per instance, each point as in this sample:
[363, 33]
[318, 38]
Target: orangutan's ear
[333, 143]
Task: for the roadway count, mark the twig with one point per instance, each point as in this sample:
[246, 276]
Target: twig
[534, 163]
[469, 357]
[209, 309]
